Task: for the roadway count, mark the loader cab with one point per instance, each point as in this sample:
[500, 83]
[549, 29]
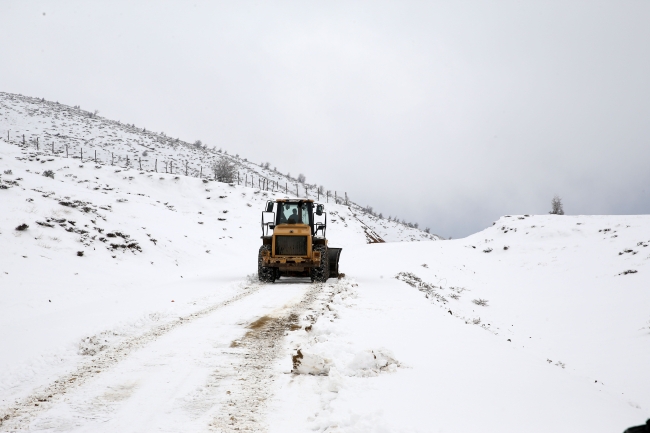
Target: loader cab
[294, 211]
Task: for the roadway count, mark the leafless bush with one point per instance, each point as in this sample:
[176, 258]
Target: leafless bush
[556, 206]
[480, 302]
[22, 227]
[224, 171]
[301, 178]
[8, 172]
[48, 173]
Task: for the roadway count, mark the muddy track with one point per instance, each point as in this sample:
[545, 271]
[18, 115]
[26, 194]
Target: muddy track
[18, 415]
[245, 410]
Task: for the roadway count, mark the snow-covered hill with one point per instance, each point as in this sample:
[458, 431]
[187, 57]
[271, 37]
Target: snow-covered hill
[129, 303]
[53, 129]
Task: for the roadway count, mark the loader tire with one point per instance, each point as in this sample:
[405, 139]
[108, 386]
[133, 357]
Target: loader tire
[265, 274]
[321, 273]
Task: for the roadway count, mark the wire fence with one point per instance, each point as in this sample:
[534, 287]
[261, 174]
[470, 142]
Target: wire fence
[168, 166]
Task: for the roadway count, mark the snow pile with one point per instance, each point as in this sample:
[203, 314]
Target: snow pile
[318, 353]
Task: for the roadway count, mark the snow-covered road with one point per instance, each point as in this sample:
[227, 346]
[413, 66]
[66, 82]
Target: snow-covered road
[181, 376]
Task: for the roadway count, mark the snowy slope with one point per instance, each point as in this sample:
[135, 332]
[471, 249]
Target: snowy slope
[62, 130]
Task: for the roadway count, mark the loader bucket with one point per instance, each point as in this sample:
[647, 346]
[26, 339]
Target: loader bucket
[334, 254]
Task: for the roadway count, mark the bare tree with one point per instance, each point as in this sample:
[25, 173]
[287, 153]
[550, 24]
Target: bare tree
[198, 144]
[224, 171]
[556, 206]
[301, 178]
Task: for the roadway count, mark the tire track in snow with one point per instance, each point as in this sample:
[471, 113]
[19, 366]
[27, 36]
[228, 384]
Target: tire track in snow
[244, 410]
[18, 416]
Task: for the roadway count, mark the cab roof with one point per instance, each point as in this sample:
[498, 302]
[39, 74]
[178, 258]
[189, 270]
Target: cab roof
[294, 200]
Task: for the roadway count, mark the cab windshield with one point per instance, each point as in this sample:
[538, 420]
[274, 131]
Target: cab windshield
[293, 213]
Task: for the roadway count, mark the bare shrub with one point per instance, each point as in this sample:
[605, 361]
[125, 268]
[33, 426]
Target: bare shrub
[48, 173]
[8, 172]
[556, 206]
[480, 302]
[301, 178]
[22, 227]
[224, 171]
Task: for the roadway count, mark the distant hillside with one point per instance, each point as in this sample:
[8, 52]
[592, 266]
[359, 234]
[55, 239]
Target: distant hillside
[57, 129]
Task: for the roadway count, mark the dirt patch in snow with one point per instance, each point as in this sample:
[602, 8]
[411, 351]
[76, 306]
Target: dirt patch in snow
[245, 408]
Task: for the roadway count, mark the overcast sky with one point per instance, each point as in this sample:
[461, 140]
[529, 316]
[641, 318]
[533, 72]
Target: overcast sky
[449, 114]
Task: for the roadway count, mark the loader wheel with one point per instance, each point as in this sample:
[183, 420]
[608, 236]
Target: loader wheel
[322, 272]
[265, 274]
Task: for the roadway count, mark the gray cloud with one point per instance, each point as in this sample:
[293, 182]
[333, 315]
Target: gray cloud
[449, 114]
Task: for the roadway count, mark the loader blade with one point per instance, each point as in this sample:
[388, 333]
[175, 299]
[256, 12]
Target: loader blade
[334, 254]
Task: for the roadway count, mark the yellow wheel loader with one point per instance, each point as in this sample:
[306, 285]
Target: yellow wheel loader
[294, 242]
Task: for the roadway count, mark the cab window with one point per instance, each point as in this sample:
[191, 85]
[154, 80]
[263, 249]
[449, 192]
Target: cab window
[305, 213]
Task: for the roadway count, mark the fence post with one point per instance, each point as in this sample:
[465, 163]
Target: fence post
[95, 156]
[286, 188]
[112, 159]
[171, 167]
[52, 148]
[201, 174]
[296, 190]
[37, 143]
[335, 198]
[156, 165]
[185, 168]
[140, 162]
[127, 160]
[66, 151]
[23, 139]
